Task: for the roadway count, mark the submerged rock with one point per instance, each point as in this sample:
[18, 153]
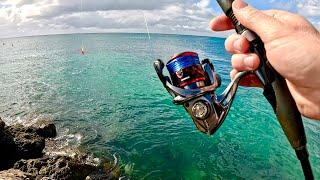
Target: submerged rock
[101, 175]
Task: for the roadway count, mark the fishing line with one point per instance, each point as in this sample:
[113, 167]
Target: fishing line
[81, 14]
[150, 46]
[147, 27]
[151, 53]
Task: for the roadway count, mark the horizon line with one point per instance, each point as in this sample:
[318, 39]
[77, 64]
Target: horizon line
[54, 34]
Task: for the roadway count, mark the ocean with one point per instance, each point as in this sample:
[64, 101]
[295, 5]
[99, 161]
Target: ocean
[110, 102]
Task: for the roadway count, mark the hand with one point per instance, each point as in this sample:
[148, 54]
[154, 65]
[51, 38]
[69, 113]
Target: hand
[292, 45]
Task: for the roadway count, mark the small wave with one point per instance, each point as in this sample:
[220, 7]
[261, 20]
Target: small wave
[66, 139]
[66, 144]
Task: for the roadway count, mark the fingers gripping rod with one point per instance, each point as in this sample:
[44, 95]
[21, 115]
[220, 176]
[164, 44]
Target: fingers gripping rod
[277, 93]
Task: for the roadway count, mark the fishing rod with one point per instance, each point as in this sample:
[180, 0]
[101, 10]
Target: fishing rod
[193, 84]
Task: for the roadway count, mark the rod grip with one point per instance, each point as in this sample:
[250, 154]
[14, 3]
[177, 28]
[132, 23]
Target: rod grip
[288, 114]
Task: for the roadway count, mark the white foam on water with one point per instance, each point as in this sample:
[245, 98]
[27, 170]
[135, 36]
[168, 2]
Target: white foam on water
[67, 144]
[65, 139]
[26, 121]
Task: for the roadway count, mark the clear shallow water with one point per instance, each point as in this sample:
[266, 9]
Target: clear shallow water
[113, 99]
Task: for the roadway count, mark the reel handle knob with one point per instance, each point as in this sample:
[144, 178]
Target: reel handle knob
[158, 66]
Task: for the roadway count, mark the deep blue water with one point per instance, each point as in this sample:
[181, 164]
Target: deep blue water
[112, 99]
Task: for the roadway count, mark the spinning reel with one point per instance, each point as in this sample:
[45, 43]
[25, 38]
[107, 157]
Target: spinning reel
[193, 85]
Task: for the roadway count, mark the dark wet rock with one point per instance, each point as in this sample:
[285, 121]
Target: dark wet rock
[7, 151]
[2, 125]
[28, 143]
[45, 129]
[23, 142]
[20, 143]
[14, 174]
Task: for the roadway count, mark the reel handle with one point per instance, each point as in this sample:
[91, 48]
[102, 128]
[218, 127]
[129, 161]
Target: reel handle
[158, 66]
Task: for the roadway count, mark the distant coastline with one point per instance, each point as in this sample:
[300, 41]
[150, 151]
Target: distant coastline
[99, 33]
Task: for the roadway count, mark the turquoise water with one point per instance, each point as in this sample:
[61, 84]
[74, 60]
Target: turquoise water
[113, 99]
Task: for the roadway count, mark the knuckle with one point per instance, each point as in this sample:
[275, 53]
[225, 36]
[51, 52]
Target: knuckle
[306, 29]
[309, 111]
[236, 61]
[301, 18]
[244, 44]
[253, 15]
[230, 41]
[233, 61]
[302, 108]
[226, 45]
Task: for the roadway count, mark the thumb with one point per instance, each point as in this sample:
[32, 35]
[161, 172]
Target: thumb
[265, 26]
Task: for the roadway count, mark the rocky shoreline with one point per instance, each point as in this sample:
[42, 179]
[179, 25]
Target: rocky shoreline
[29, 152]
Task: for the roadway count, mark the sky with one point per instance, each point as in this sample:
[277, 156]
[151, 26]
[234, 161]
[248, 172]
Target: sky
[41, 17]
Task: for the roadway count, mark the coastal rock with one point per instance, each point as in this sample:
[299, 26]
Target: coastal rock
[19, 144]
[14, 174]
[28, 144]
[58, 167]
[2, 125]
[2, 135]
[23, 142]
[32, 153]
[45, 129]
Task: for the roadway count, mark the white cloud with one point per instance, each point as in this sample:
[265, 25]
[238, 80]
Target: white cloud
[311, 10]
[31, 17]
[307, 8]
